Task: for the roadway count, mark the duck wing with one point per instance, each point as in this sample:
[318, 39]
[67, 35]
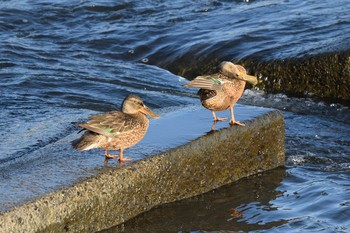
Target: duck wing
[208, 82]
[110, 124]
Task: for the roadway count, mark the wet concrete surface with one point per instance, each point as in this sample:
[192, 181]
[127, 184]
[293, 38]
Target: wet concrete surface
[114, 194]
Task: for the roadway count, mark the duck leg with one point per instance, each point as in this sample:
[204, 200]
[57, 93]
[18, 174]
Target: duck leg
[121, 159]
[217, 118]
[213, 126]
[232, 121]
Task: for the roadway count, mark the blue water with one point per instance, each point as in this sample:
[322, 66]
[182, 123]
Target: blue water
[64, 60]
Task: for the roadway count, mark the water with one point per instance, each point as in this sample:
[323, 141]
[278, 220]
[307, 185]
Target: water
[64, 60]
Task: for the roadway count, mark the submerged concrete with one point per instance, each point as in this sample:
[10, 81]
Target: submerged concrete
[110, 198]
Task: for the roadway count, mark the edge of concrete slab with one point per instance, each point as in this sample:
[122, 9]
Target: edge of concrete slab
[110, 198]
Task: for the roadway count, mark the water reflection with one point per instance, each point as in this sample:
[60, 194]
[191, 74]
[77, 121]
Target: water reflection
[229, 208]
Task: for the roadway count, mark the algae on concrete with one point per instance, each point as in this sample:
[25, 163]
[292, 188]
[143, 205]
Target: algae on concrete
[324, 76]
[117, 195]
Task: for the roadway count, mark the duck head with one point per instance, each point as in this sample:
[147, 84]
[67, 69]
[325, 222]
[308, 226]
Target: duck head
[133, 104]
[236, 71]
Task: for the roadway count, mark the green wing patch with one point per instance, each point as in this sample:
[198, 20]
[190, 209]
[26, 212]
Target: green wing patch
[108, 129]
[215, 80]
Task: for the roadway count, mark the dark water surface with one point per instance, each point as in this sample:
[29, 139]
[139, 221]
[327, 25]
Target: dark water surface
[64, 60]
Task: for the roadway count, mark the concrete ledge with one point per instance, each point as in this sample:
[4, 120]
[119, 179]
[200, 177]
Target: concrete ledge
[117, 195]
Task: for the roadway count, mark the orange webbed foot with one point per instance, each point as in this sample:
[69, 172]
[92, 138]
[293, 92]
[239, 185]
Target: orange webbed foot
[109, 156]
[220, 119]
[236, 123]
[124, 159]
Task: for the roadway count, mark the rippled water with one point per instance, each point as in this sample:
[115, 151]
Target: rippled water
[64, 60]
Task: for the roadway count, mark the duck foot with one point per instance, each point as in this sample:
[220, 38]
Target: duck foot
[121, 158]
[220, 119]
[107, 158]
[217, 118]
[236, 123]
[124, 159]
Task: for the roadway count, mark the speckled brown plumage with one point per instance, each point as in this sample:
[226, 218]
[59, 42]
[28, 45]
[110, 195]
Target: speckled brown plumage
[116, 130]
[222, 90]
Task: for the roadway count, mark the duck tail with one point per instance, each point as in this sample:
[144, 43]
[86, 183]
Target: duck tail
[86, 142]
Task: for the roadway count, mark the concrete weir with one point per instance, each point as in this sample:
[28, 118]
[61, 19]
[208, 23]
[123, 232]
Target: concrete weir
[116, 195]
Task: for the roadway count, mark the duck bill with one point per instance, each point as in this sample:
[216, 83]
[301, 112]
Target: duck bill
[249, 78]
[145, 110]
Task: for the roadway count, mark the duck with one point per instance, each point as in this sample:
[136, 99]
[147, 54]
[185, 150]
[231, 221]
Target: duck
[221, 91]
[116, 130]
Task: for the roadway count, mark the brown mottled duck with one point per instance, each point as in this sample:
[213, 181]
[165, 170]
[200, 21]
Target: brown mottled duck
[116, 130]
[222, 90]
